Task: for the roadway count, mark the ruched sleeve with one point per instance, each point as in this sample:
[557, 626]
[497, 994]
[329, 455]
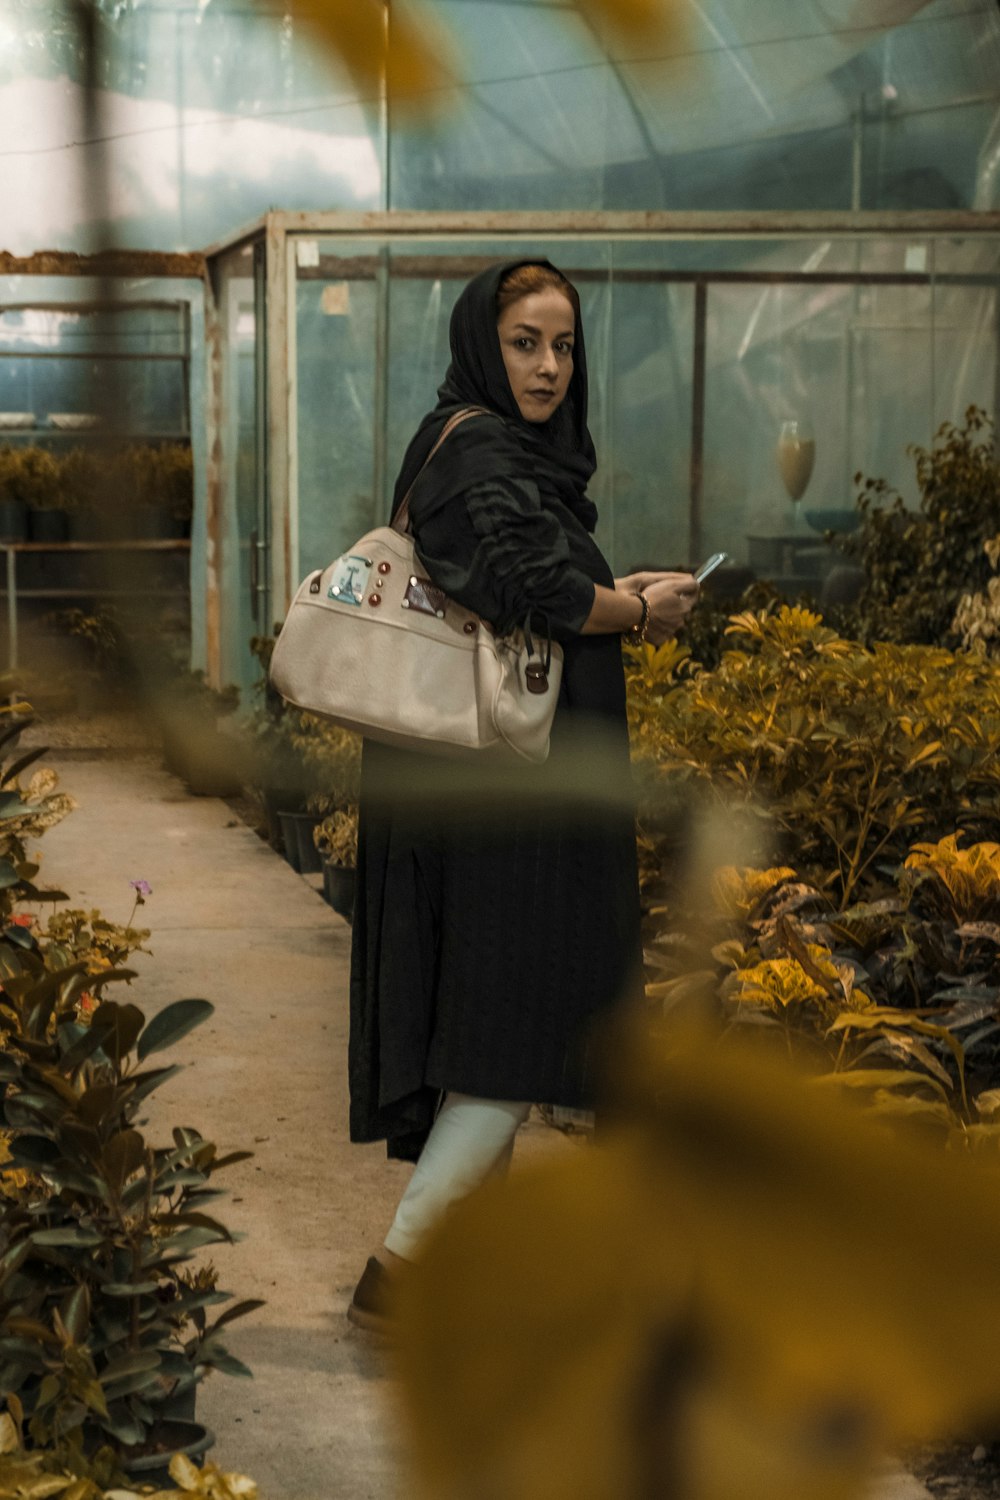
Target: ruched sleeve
[496, 550]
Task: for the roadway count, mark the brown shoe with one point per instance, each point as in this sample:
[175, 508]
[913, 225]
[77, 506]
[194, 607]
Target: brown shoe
[371, 1306]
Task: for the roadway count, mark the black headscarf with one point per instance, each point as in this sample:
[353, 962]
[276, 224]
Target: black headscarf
[557, 455]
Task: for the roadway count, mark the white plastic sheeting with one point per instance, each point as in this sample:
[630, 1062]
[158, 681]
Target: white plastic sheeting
[212, 112]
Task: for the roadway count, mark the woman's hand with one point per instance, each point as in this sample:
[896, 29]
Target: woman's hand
[672, 596]
[638, 583]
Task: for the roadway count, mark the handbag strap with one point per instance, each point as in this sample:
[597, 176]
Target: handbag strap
[401, 520]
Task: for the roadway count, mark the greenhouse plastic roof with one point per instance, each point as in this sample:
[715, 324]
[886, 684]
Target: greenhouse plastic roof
[212, 111]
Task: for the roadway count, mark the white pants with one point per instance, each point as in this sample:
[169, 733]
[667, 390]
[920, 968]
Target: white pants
[469, 1140]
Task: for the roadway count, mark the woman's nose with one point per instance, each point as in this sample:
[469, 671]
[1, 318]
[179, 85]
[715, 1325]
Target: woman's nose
[547, 362]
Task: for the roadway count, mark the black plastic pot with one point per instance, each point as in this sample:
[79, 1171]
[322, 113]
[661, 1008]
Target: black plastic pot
[297, 835]
[85, 524]
[339, 884]
[48, 525]
[167, 1438]
[279, 799]
[151, 523]
[13, 521]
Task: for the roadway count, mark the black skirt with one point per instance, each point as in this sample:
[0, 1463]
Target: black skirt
[495, 921]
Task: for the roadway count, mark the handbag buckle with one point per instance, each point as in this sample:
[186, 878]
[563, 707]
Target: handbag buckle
[536, 677]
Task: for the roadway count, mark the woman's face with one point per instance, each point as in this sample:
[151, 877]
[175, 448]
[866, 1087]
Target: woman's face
[536, 340]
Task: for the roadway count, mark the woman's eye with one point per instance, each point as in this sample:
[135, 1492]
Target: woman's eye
[522, 343]
[564, 348]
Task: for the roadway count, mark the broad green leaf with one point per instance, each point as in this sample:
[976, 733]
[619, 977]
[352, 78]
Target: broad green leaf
[123, 1155]
[172, 1023]
[119, 1027]
[34, 1151]
[231, 1159]
[67, 1237]
[129, 1288]
[874, 1078]
[134, 1362]
[30, 1328]
[75, 1312]
[201, 1221]
[239, 1311]
[140, 1085]
[220, 1359]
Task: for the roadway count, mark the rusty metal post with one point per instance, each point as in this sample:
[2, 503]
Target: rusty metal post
[280, 413]
[697, 421]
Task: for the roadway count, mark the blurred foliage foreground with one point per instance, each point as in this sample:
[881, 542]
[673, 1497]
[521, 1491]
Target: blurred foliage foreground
[780, 1257]
[746, 1289]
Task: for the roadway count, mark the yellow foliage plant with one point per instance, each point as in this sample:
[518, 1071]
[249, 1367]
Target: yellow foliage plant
[728, 1296]
[837, 754]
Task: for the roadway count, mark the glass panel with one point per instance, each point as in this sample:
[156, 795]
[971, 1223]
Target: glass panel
[966, 347]
[337, 331]
[649, 456]
[867, 345]
[60, 364]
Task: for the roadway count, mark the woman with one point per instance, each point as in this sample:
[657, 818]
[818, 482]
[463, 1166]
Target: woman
[487, 942]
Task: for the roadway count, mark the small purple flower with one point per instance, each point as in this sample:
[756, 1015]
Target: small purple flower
[141, 887]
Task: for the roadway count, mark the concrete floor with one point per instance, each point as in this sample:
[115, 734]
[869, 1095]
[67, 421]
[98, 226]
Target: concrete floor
[233, 923]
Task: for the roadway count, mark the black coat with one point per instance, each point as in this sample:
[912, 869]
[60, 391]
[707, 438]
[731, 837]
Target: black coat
[494, 924]
[497, 912]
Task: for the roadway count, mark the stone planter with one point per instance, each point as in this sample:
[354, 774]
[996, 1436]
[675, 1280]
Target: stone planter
[339, 884]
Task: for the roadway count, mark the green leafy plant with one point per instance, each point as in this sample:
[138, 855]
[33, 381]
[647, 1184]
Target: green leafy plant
[836, 753]
[100, 1321]
[918, 563]
[36, 1473]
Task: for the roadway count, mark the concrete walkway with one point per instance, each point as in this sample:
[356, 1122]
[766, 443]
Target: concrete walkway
[232, 922]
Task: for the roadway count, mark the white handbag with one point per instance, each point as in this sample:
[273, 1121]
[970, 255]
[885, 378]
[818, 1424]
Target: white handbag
[372, 644]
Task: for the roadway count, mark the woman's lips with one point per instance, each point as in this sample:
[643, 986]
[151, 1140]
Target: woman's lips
[542, 395]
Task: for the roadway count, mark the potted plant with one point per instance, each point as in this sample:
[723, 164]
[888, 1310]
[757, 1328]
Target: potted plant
[31, 495]
[153, 487]
[194, 747]
[337, 839]
[102, 1324]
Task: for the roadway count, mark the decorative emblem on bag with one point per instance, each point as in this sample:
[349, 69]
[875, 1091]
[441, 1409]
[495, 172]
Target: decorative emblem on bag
[421, 595]
[350, 578]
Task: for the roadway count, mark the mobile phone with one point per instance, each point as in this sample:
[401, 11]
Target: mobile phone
[709, 566]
